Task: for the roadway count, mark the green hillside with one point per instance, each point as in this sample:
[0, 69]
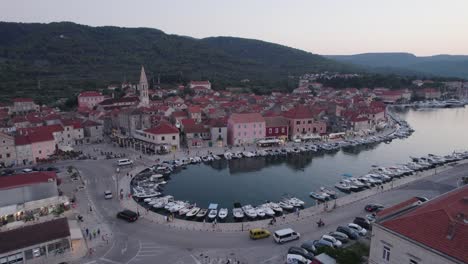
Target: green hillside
[49, 61]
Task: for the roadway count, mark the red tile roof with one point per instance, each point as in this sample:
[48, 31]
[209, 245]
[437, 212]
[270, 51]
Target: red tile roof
[394, 209]
[441, 224]
[196, 128]
[33, 235]
[247, 118]
[275, 121]
[18, 100]
[89, 94]
[194, 109]
[18, 180]
[299, 112]
[163, 129]
[200, 82]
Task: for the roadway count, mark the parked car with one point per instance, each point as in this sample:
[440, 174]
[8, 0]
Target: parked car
[124, 162]
[285, 235]
[309, 246]
[340, 236]
[107, 194]
[361, 221]
[27, 170]
[348, 231]
[300, 251]
[374, 207]
[371, 217]
[334, 241]
[128, 215]
[259, 233]
[296, 259]
[322, 243]
[359, 229]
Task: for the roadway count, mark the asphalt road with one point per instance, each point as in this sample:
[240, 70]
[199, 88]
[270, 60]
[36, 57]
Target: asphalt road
[147, 242]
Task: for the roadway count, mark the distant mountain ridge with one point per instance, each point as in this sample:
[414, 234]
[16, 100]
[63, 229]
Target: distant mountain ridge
[65, 57]
[438, 65]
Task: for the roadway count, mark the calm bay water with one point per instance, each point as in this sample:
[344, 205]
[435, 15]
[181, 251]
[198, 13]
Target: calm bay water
[255, 180]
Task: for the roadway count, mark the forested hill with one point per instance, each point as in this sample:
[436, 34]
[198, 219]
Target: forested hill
[438, 65]
[55, 60]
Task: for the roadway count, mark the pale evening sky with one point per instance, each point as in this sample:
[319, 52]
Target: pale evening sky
[422, 27]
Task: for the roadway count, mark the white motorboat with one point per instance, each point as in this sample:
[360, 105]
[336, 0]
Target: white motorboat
[275, 207]
[193, 212]
[213, 213]
[216, 157]
[185, 210]
[223, 213]
[237, 211]
[294, 201]
[330, 192]
[260, 212]
[228, 155]
[248, 154]
[285, 205]
[202, 213]
[267, 209]
[317, 196]
[249, 211]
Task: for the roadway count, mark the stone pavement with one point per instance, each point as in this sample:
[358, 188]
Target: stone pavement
[311, 214]
[96, 232]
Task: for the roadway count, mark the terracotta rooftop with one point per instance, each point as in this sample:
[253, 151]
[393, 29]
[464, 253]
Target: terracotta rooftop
[18, 180]
[441, 224]
[89, 94]
[299, 112]
[163, 128]
[247, 118]
[34, 234]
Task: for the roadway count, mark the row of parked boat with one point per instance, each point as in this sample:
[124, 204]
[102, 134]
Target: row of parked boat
[379, 175]
[450, 103]
[239, 212]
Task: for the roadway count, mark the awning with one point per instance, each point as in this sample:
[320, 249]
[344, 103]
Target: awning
[213, 206]
[8, 210]
[75, 231]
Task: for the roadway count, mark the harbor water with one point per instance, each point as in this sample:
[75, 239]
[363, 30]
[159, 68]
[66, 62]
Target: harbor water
[256, 180]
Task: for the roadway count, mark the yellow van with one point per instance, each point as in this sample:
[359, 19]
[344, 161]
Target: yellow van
[259, 233]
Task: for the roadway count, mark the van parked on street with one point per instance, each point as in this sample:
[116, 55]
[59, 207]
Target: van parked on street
[285, 235]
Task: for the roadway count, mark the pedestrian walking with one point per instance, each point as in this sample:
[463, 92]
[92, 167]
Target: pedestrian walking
[87, 231]
[99, 231]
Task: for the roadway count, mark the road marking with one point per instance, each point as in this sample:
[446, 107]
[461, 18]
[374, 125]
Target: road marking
[113, 244]
[139, 249]
[110, 261]
[195, 259]
[123, 250]
[91, 262]
[148, 255]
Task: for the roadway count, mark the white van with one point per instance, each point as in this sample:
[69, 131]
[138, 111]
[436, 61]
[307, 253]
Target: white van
[285, 235]
[124, 162]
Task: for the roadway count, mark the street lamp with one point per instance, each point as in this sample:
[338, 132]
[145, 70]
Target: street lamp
[117, 181]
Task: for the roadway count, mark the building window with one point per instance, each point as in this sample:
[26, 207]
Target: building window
[298, 130]
[8, 155]
[40, 151]
[162, 138]
[245, 126]
[219, 130]
[238, 126]
[270, 130]
[173, 137]
[309, 122]
[255, 125]
[386, 253]
[276, 130]
[298, 122]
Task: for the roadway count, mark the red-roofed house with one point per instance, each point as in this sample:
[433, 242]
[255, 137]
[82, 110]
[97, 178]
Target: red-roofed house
[194, 112]
[429, 93]
[89, 99]
[245, 128]
[163, 134]
[303, 123]
[33, 147]
[276, 127]
[197, 135]
[205, 84]
[24, 105]
[7, 149]
[432, 232]
[218, 131]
